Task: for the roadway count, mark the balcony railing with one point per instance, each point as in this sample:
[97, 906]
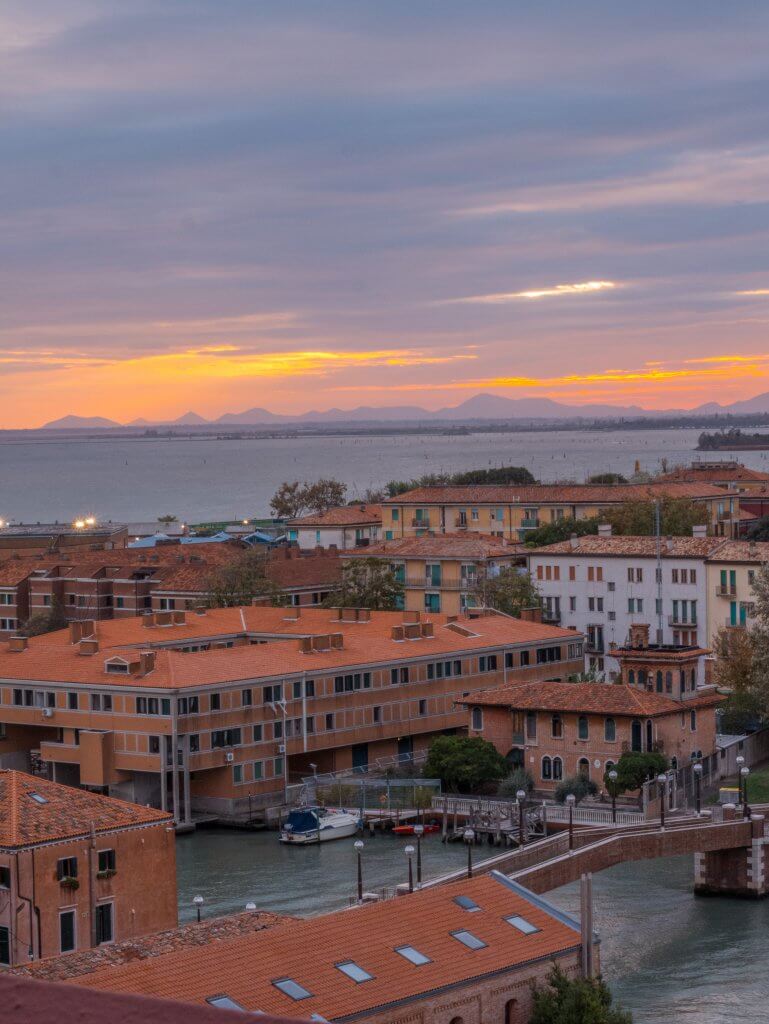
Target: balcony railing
[679, 620]
[595, 647]
[726, 514]
[552, 618]
[422, 523]
[529, 524]
[726, 591]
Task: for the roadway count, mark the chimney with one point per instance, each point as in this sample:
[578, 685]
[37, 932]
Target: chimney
[148, 619]
[88, 646]
[364, 615]
[293, 612]
[75, 632]
[574, 542]
[428, 629]
[179, 617]
[305, 644]
[322, 642]
[146, 662]
[604, 529]
[89, 628]
[163, 618]
[531, 614]
[752, 549]
[699, 530]
[639, 635]
[337, 641]
[18, 643]
[398, 633]
[412, 616]
[412, 630]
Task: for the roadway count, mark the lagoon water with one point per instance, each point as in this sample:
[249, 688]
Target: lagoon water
[201, 479]
[669, 957]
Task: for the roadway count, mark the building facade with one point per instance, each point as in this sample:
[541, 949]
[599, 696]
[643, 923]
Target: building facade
[346, 527]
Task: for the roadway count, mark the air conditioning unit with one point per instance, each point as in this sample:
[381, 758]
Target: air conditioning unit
[229, 757]
[47, 712]
[281, 748]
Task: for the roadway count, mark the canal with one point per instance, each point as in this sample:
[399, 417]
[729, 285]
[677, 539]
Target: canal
[668, 956]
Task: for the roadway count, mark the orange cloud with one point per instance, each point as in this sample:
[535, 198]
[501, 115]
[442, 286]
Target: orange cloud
[552, 291]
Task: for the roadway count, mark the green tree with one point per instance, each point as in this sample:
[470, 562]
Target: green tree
[518, 779]
[760, 529]
[634, 768]
[241, 580]
[367, 583]
[607, 478]
[294, 499]
[47, 621]
[167, 518]
[464, 764]
[578, 786]
[501, 475]
[576, 1001]
[510, 592]
[677, 517]
[561, 529]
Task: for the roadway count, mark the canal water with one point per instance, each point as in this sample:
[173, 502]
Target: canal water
[669, 957]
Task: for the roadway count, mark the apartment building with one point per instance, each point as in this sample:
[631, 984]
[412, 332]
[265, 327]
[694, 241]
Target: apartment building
[471, 950]
[217, 710]
[726, 473]
[602, 585]
[512, 512]
[25, 539]
[74, 867]
[346, 527]
[445, 573]
[731, 570]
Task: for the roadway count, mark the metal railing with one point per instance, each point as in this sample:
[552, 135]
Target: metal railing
[582, 815]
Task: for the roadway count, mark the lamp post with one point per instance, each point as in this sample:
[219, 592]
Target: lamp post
[613, 780]
[469, 836]
[739, 761]
[198, 903]
[744, 772]
[358, 844]
[570, 801]
[521, 797]
[418, 831]
[250, 906]
[662, 780]
[409, 851]
[697, 769]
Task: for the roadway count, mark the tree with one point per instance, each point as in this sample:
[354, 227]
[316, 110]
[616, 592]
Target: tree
[239, 581]
[47, 621]
[293, 499]
[734, 659]
[607, 478]
[760, 529]
[367, 583]
[561, 529]
[518, 779]
[510, 592]
[501, 475]
[578, 786]
[634, 768]
[167, 518]
[464, 764]
[576, 1001]
[677, 517]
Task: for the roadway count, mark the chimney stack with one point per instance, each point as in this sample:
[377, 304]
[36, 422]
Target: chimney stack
[574, 542]
[604, 529]
[699, 530]
[18, 643]
[146, 662]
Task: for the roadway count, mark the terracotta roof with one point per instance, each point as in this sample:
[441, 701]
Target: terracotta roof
[308, 952]
[443, 545]
[640, 547]
[754, 552]
[15, 570]
[715, 472]
[587, 698]
[344, 515]
[553, 494]
[52, 658]
[60, 812]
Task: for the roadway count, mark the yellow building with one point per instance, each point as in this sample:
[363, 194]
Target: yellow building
[444, 573]
[511, 512]
[730, 573]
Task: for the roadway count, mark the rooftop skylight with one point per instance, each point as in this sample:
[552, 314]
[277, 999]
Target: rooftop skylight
[291, 988]
[468, 939]
[38, 798]
[413, 955]
[466, 903]
[225, 1003]
[522, 924]
[354, 971]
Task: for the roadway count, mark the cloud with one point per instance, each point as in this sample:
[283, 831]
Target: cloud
[581, 288]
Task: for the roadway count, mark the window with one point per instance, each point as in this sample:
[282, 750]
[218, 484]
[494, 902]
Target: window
[5, 877]
[609, 730]
[531, 725]
[557, 769]
[557, 727]
[104, 932]
[522, 924]
[354, 971]
[423, 707]
[547, 768]
[225, 1003]
[291, 988]
[257, 733]
[478, 719]
[247, 697]
[237, 774]
[309, 724]
[277, 729]
[67, 931]
[5, 946]
[278, 767]
[107, 860]
[466, 903]
[583, 767]
[487, 663]
[693, 720]
[468, 939]
[330, 720]
[377, 714]
[525, 659]
[154, 744]
[258, 768]
[194, 743]
[582, 727]
[66, 867]
[572, 604]
[216, 701]
[225, 738]
[413, 955]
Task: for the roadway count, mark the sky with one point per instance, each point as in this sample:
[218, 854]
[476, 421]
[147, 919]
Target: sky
[222, 204]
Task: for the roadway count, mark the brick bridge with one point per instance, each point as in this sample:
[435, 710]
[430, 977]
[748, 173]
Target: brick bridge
[731, 853]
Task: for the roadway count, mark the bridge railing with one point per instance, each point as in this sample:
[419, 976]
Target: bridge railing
[582, 814]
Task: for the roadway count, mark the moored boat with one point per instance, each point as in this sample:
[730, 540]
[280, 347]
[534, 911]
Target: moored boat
[408, 830]
[318, 825]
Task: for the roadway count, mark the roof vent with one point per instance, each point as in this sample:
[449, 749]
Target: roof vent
[18, 643]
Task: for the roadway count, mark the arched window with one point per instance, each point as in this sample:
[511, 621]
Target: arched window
[631, 677]
[609, 766]
[583, 767]
[682, 681]
[609, 730]
[659, 682]
[668, 682]
[693, 720]
[694, 678]
[636, 734]
[457, 1020]
[478, 719]
[642, 677]
[547, 768]
[674, 762]
[557, 769]
[557, 727]
[511, 1011]
[582, 728]
[649, 734]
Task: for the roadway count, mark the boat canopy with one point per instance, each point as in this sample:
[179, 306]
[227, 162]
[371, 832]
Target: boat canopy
[302, 821]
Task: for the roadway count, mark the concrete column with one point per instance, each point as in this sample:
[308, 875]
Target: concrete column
[174, 777]
[186, 776]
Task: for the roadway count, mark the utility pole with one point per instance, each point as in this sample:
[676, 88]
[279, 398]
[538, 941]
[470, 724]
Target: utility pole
[658, 534]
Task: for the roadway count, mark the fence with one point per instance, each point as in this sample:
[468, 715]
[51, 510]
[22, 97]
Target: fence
[384, 795]
[582, 815]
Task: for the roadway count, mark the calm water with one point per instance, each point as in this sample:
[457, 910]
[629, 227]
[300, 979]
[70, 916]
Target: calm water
[208, 479]
[668, 956]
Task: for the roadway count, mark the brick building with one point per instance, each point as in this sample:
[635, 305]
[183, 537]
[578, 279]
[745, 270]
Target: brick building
[467, 952]
[74, 867]
[64, 538]
[217, 710]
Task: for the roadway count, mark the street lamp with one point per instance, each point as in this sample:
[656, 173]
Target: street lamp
[697, 769]
[418, 832]
[739, 761]
[744, 772]
[250, 906]
[198, 902]
[662, 780]
[570, 801]
[469, 836]
[409, 851]
[521, 797]
[613, 780]
[358, 844]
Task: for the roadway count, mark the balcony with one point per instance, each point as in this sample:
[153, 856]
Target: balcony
[726, 591]
[551, 618]
[679, 620]
[422, 524]
[529, 524]
[595, 646]
[726, 514]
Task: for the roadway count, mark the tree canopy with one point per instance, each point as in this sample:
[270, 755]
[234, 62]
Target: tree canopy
[46, 620]
[367, 583]
[677, 517]
[500, 475]
[575, 1001]
[293, 499]
[510, 592]
[741, 662]
[579, 786]
[464, 764]
[607, 478]
[239, 581]
[561, 529]
[634, 768]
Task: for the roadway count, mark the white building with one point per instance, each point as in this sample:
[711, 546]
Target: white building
[601, 585]
[345, 527]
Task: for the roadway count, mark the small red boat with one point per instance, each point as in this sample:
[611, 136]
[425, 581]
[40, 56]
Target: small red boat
[408, 830]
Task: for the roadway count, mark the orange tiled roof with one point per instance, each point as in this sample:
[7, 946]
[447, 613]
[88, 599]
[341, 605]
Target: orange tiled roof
[344, 515]
[588, 698]
[52, 658]
[725, 472]
[754, 552]
[66, 812]
[443, 545]
[640, 547]
[554, 494]
[307, 952]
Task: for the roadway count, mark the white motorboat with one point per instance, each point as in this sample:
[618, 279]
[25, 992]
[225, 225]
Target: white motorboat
[318, 825]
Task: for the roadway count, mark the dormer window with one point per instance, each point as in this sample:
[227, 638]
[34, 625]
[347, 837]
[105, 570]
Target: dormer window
[116, 667]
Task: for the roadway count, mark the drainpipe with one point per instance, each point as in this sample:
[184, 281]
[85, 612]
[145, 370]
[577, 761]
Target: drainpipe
[304, 711]
[91, 887]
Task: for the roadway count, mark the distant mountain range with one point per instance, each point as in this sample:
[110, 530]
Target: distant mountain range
[479, 407]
